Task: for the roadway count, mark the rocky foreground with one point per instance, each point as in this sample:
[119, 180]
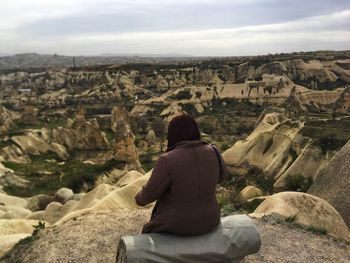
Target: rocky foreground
[94, 238]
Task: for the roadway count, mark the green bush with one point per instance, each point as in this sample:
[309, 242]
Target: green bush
[182, 95]
[298, 182]
[329, 142]
[207, 126]
[243, 128]
[224, 147]
[317, 230]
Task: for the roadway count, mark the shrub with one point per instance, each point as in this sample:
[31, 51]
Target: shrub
[224, 147]
[250, 206]
[317, 230]
[298, 182]
[182, 95]
[207, 126]
[243, 128]
[329, 142]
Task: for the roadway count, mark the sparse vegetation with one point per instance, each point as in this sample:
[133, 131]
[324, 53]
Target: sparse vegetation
[317, 230]
[72, 174]
[250, 206]
[298, 182]
[182, 95]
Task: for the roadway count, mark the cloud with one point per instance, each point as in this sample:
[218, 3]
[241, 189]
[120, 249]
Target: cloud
[193, 27]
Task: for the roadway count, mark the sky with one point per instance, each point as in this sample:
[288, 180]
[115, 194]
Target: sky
[190, 27]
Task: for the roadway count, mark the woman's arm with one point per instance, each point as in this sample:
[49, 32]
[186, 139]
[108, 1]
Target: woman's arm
[223, 176]
[157, 184]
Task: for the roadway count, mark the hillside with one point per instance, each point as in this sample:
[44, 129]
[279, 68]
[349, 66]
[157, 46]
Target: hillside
[100, 231]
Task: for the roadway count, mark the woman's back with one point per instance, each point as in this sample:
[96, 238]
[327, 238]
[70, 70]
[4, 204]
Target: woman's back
[194, 172]
[183, 183]
[188, 175]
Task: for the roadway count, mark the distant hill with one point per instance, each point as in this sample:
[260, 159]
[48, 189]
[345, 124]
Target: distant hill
[34, 60]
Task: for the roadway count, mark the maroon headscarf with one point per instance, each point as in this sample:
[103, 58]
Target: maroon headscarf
[182, 128]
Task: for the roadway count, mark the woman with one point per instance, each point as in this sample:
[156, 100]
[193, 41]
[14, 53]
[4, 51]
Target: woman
[183, 183]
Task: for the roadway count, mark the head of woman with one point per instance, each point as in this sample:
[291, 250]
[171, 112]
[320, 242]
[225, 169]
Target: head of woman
[182, 128]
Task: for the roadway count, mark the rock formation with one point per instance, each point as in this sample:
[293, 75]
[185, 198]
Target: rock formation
[247, 193]
[278, 150]
[38, 142]
[6, 119]
[342, 104]
[333, 183]
[81, 134]
[305, 210]
[267, 147]
[9, 179]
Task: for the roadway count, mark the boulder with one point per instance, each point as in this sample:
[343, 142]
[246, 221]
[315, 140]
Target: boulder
[248, 192]
[306, 210]
[39, 202]
[54, 211]
[63, 195]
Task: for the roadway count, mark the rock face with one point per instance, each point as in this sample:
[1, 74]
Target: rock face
[38, 142]
[30, 115]
[118, 115]
[278, 150]
[81, 134]
[124, 144]
[333, 183]
[294, 107]
[313, 72]
[128, 178]
[342, 104]
[269, 89]
[267, 147]
[306, 210]
[309, 162]
[9, 179]
[6, 119]
[13, 154]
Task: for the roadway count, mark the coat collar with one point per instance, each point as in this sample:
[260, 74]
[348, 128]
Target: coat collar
[187, 144]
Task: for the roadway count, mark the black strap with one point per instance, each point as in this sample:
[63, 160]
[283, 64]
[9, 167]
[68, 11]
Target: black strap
[217, 156]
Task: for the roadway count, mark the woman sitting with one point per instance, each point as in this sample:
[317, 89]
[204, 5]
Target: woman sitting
[183, 183]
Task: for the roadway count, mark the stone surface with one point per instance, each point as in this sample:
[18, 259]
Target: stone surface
[63, 195]
[333, 183]
[305, 210]
[247, 193]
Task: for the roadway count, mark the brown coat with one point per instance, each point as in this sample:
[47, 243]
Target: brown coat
[183, 183]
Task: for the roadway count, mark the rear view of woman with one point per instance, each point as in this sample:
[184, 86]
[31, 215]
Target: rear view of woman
[183, 183]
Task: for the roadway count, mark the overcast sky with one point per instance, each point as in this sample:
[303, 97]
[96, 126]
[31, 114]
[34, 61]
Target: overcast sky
[193, 27]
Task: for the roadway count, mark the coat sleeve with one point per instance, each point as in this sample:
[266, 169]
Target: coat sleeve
[223, 176]
[157, 184]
